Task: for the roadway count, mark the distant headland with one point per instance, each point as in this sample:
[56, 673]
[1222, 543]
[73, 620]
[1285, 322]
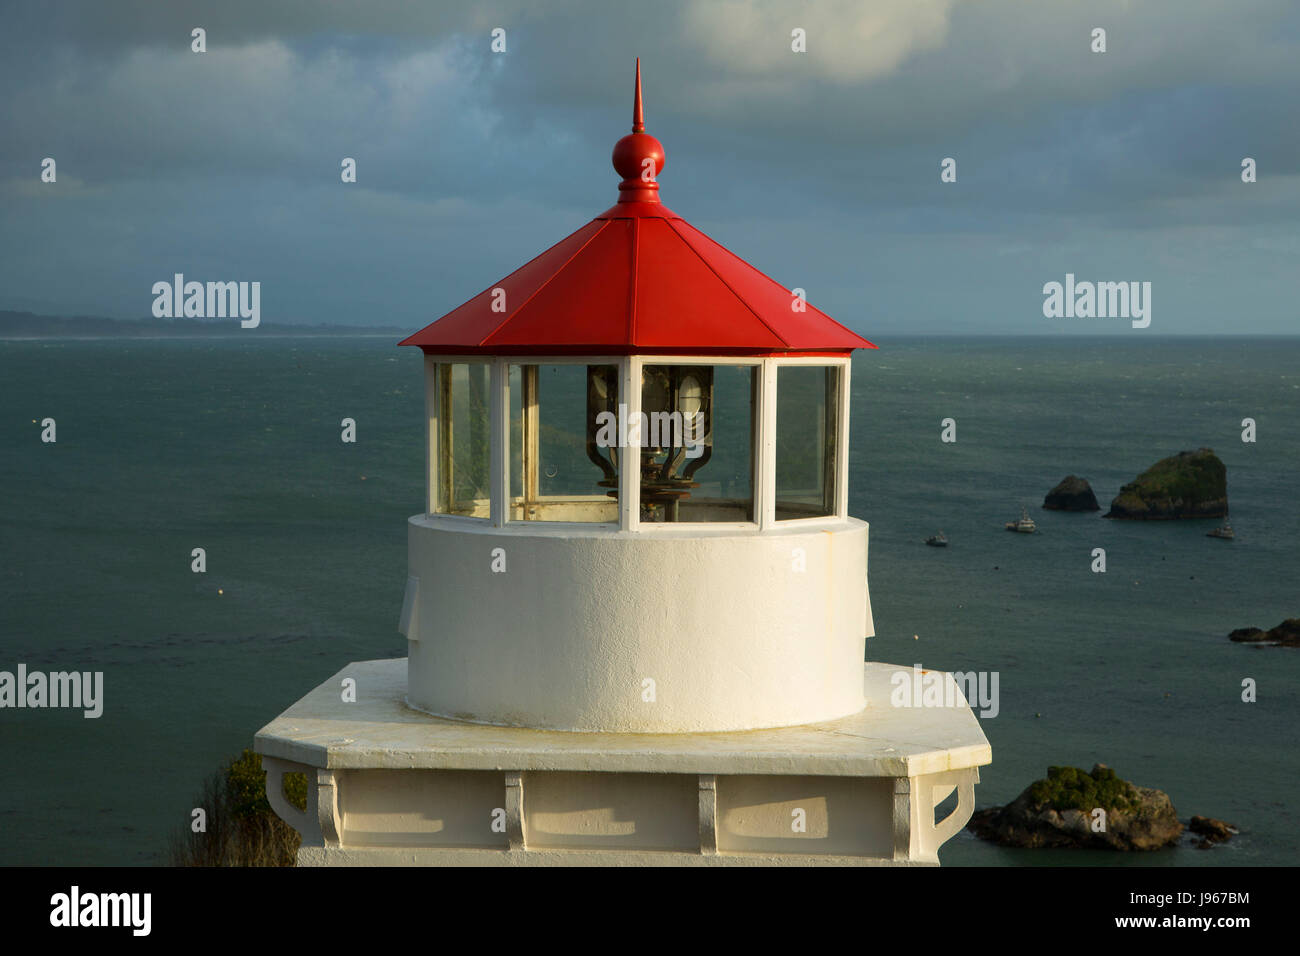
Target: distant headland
[29, 325]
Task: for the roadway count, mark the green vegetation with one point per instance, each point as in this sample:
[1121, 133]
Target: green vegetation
[246, 783]
[1069, 788]
[241, 828]
[1188, 476]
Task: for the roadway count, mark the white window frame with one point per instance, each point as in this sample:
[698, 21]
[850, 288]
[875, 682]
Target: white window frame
[841, 510]
[501, 430]
[431, 445]
[755, 479]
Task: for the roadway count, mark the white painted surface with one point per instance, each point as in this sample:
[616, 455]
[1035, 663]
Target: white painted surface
[406, 622]
[721, 627]
[839, 816]
[379, 731]
[392, 786]
[425, 856]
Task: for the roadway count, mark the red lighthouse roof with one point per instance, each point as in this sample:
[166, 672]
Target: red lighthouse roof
[637, 278]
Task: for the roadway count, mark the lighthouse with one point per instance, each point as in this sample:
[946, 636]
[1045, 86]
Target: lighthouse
[636, 605]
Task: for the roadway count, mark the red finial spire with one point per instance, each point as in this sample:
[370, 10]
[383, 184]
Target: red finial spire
[638, 157]
[638, 120]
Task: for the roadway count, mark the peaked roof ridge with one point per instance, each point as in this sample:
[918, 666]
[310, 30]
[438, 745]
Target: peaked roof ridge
[763, 275]
[410, 339]
[636, 251]
[510, 314]
[730, 288]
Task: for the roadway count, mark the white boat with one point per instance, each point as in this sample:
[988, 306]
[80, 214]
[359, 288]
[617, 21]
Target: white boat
[1025, 525]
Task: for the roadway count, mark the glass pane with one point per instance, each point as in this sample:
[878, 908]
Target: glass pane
[697, 454]
[807, 403]
[560, 467]
[464, 449]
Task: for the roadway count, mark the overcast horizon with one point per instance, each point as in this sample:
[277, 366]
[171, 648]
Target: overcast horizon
[822, 168]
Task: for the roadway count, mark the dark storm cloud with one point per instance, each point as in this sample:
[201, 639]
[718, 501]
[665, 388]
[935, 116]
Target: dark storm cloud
[471, 162]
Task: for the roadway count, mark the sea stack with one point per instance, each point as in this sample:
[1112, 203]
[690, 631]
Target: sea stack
[1191, 484]
[1072, 494]
[1061, 811]
[1286, 634]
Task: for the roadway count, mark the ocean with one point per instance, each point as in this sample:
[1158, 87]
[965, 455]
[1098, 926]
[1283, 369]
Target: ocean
[232, 445]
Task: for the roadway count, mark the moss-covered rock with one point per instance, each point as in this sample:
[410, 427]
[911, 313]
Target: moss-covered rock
[1069, 788]
[1061, 810]
[1191, 484]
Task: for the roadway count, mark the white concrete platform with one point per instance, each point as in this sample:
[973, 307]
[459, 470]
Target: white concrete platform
[392, 785]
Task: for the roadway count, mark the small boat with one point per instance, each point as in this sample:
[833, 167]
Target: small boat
[1025, 525]
[937, 540]
[1225, 531]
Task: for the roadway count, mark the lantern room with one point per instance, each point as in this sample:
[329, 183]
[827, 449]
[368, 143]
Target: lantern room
[653, 435]
[632, 442]
[637, 373]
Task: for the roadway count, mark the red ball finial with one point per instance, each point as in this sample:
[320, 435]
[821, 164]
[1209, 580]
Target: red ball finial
[639, 157]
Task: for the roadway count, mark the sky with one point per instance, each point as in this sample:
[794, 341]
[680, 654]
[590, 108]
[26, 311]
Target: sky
[821, 167]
